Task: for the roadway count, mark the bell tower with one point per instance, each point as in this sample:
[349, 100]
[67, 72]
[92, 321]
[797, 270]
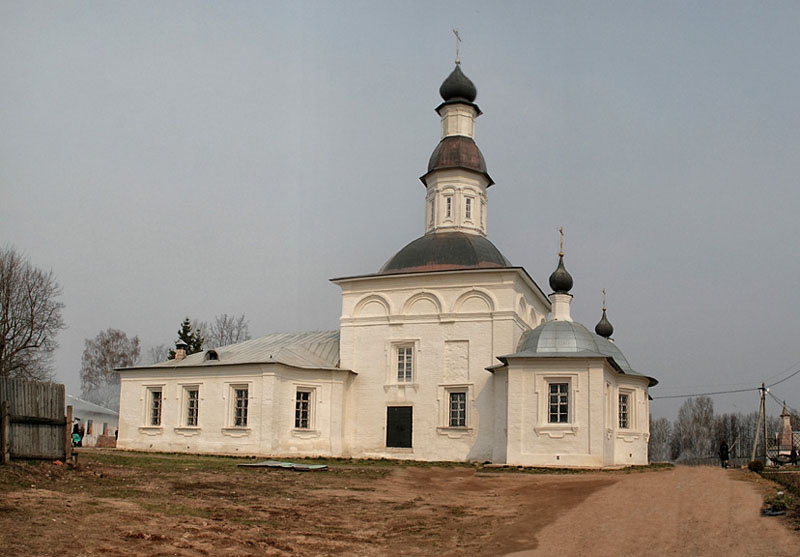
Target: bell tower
[457, 179]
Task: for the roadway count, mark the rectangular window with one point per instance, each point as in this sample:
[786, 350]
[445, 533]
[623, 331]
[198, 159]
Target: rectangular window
[155, 406]
[192, 406]
[89, 428]
[449, 206]
[405, 361]
[302, 410]
[559, 403]
[624, 410]
[105, 429]
[458, 409]
[433, 210]
[468, 208]
[240, 406]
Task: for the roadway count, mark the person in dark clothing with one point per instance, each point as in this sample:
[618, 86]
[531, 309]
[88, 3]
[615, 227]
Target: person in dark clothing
[723, 454]
[793, 455]
[76, 434]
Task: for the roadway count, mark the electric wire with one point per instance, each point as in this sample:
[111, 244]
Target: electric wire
[784, 379]
[706, 394]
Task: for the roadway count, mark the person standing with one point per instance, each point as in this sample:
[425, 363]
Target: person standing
[793, 455]
[723, 454]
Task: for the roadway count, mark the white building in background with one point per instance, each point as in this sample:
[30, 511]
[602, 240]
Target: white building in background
[448, 352]
[98, 421]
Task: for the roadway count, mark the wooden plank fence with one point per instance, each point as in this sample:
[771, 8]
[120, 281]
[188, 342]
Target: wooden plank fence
[32, 420]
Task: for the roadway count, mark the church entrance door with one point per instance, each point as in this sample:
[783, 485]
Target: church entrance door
[398, 426]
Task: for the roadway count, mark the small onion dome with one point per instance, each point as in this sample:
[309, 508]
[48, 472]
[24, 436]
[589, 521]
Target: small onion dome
[445, 251]
[561, 280]
[458, 86]
[604, 327]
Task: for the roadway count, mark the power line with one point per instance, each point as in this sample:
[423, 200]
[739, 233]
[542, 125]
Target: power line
[706, 394]
[784, 379]
[729, 391]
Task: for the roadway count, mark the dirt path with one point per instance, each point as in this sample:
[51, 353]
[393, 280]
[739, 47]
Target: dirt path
[118, 504]
[684, 511]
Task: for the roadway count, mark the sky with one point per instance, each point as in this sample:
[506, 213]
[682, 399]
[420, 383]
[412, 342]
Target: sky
[187, 158]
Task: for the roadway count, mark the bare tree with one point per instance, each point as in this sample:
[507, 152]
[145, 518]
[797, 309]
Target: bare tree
[659, 443]
[226, 329]
[99, 379]
[157, 354]
[693, 431]
[30, 317]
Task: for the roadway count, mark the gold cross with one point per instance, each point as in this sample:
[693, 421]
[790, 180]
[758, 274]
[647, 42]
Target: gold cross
[458, 40]
[604, 299]
[561, 241]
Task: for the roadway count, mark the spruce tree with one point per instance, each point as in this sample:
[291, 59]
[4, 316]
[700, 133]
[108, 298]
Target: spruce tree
[192, 336]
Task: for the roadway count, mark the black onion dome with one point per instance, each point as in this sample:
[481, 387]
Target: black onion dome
[561, 280]
[604, 327]
[445, 251]
[458, 86]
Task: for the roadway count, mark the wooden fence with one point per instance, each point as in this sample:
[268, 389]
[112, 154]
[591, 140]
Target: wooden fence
[32, 420]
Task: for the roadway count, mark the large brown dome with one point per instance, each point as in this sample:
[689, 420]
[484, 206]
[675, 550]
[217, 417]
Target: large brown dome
[445, 251]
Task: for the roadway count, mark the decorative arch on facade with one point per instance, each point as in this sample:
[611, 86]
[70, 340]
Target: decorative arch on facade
[474, 301]
[372, 305]
[423, 303]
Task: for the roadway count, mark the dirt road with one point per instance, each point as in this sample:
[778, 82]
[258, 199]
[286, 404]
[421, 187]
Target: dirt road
[123, 504]
[684, 511]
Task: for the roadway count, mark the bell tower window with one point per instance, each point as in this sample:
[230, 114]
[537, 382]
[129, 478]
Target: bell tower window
[468, 208]
[448, 207]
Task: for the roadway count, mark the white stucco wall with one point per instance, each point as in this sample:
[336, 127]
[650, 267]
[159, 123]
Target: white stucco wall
[457, 323]
[270, 416]
[592, 436]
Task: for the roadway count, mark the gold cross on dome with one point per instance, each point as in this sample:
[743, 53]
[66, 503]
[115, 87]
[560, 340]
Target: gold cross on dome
[458, 40]
[561, 241]
[604, 299]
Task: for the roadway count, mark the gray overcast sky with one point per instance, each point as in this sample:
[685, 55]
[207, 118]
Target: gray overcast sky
[192, 158]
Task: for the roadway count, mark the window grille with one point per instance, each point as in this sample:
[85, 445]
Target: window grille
[302, 410]
[449, 203]
[624, 412]
[559, 403]
[155, 407]
[240, 407]
[192, 407]
[468, 208]
[458, 409]
[405, 360]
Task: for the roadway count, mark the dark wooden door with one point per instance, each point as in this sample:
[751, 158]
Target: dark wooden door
[398, 426]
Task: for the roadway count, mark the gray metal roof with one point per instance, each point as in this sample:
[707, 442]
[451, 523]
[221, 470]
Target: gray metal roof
[86, 406]
[310, 350]
[568, 339]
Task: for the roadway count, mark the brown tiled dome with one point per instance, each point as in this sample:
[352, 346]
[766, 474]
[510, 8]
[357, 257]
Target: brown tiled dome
[457, 151]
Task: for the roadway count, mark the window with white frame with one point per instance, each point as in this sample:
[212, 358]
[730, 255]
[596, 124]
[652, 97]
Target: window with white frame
[433, 210]
[457, 414]
[624, 410]
[405, 363]
[302, 409]
[468, 208]
[154, 403]
[448, 207]
[240, 396]
[191, 398]
[558, 403]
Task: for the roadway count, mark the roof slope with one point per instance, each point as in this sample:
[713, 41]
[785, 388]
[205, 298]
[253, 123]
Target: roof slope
[313, 350]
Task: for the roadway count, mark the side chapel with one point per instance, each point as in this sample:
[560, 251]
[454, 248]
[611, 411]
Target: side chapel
[448, 352]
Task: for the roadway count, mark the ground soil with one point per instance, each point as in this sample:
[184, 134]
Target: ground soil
[119, 504]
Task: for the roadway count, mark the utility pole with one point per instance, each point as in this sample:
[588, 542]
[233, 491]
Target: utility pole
[764, 406]
[761, 408]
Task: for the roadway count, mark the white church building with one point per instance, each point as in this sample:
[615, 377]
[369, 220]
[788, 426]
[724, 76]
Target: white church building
[448, 352]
